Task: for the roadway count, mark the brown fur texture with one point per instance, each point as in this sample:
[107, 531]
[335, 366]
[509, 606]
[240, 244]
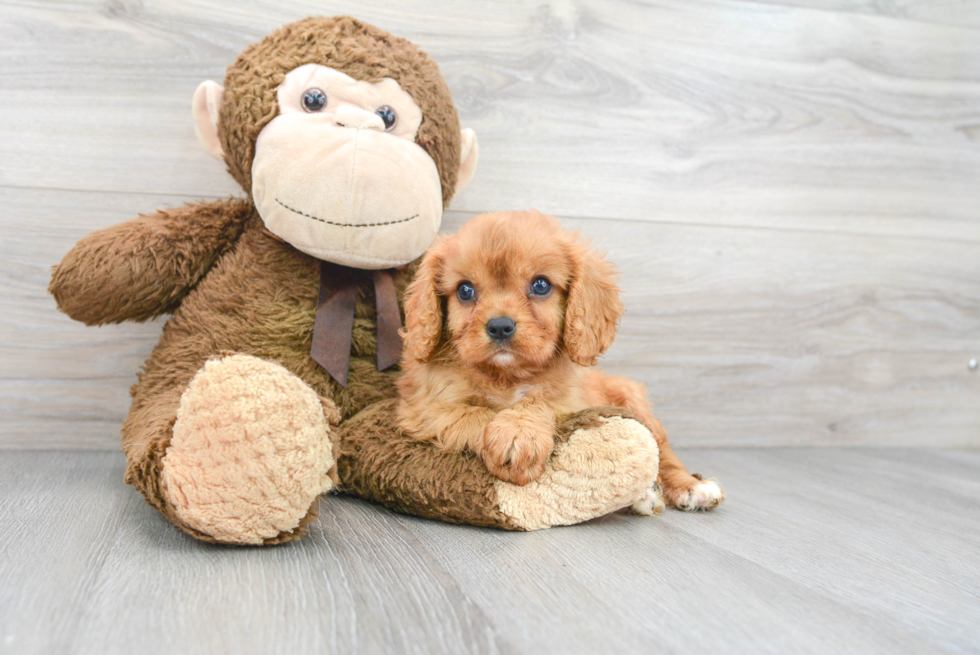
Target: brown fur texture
[461, 388]
[357, 49]
[380, 463]
[176, 248]
[260, 299]
[232, 288]
[464, 390]
[427, 481]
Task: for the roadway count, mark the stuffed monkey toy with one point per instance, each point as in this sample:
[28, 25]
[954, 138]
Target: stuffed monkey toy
[272, 382]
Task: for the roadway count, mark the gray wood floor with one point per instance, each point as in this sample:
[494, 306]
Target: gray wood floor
[818, 551]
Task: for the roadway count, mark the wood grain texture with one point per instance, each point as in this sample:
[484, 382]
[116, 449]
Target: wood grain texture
[956, 13]
[812, 554]
[790, 191]
[743, 335]
[716, 112]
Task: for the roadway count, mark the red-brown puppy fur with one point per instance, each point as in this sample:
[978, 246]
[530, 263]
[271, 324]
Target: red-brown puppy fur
[462, 389]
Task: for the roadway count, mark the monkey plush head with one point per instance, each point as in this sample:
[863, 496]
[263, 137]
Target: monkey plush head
[345, 137]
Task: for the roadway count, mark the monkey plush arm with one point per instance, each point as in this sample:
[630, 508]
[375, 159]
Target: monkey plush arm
[144, 267]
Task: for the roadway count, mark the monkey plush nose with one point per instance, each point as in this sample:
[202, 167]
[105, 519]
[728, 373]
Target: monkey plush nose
[501, 328]
[348, 116]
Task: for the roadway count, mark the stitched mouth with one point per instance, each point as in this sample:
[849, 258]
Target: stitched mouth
[323, 220]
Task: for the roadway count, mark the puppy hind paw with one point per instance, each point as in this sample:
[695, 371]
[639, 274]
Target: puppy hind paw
[702, 497]
[650, 504]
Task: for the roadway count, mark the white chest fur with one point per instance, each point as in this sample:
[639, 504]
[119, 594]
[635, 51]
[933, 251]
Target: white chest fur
[509, 399]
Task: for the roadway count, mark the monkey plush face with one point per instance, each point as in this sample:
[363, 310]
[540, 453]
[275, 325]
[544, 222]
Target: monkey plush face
[352, 160]
[338, 174]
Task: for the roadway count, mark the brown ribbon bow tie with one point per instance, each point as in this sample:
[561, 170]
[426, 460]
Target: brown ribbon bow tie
[334, 324]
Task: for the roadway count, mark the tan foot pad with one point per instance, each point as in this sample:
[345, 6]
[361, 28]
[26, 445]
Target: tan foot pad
[250, 451]
[598, 470]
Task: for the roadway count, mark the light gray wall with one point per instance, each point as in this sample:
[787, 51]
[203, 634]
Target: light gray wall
[791, 189]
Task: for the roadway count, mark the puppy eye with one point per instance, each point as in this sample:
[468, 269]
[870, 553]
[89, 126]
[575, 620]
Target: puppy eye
[540, 287]
[465, 292]
[314, 100]
[387, 115]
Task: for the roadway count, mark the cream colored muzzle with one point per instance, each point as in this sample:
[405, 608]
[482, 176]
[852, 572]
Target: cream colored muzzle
[345, 191]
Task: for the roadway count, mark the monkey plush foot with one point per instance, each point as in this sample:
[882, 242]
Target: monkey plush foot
[250, 451]
[604, 460]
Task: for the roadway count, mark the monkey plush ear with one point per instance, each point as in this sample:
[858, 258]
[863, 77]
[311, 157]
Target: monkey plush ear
[206, 105]
[469, 153]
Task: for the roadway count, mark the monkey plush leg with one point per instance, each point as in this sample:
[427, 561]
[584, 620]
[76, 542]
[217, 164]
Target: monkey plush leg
[603, 461]
[243, 456]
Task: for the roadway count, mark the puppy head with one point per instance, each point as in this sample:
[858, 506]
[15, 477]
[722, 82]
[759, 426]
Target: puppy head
[509, 291]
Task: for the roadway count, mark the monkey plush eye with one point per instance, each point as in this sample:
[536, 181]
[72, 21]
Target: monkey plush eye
[465, 292]
[387, 115]
[314, 100]
[540, 287]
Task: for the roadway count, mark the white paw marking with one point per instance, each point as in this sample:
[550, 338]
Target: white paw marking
[650, 504]
[704, 496]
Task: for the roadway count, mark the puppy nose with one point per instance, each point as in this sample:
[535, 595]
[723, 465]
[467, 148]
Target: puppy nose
[501, 328]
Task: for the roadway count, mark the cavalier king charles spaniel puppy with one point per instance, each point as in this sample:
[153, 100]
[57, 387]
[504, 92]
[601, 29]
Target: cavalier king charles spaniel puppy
[502, 324]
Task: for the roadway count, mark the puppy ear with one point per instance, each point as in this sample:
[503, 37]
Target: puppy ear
[593, 308]
[423, 308]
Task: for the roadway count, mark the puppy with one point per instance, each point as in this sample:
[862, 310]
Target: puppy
[502, 322]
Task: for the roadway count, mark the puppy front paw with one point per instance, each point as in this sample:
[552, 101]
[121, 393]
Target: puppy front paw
[515, 447]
